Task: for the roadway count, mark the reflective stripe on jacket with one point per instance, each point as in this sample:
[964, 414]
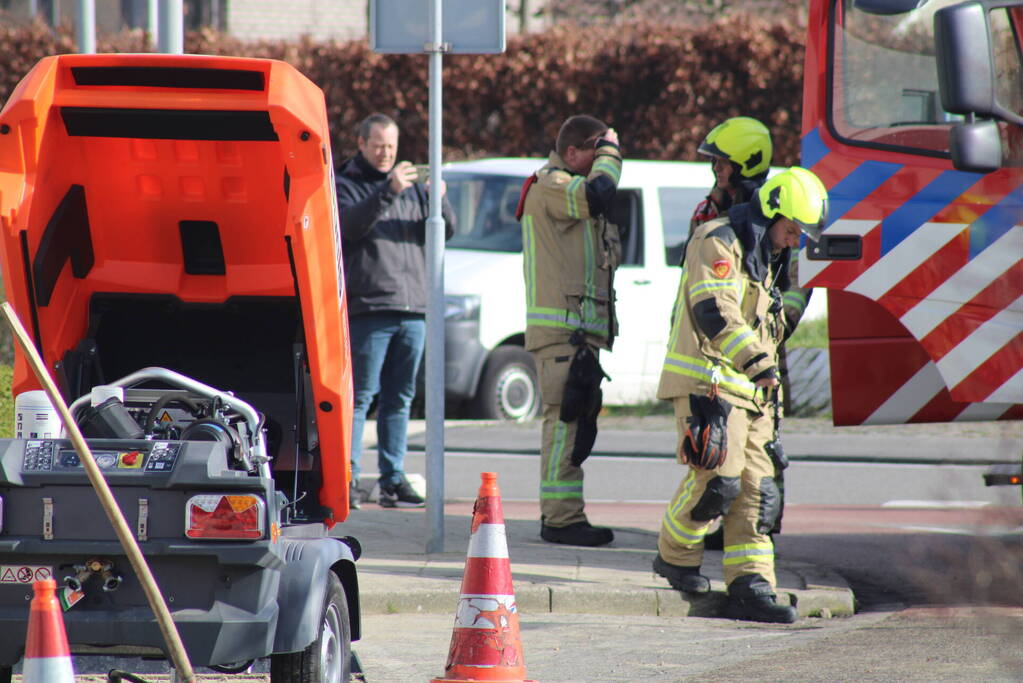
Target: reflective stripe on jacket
[569, 256]
[716, 290]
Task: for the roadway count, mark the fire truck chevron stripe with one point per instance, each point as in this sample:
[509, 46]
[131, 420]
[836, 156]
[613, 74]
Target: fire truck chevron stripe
[488, 541]
[1009, 391]
[994, 374]
[1001, 218]
[965, 284]
[487, 575]
[909, 398]
[813, 149]
[978, 310]
[904, 258]
[855, 187]
[907, 219]
[989, 338]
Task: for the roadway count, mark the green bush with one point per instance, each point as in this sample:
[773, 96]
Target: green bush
[6, 403]
[810, 334]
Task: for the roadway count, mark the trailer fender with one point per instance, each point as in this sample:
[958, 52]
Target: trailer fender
[303, 586]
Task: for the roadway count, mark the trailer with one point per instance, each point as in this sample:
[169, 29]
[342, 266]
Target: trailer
[170, 239]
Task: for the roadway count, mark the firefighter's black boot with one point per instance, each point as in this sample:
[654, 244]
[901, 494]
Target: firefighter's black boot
[751, 598]
[580, 533]
[685, 579]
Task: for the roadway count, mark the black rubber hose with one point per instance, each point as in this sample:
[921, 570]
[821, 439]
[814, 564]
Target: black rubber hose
[165, 401]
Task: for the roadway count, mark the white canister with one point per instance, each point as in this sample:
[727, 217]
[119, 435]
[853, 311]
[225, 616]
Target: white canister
[35, 417]
[101, 392]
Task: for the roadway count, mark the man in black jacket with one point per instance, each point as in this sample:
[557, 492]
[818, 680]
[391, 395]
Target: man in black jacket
[383, 230]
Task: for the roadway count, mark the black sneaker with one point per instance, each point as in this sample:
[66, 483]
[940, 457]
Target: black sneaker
[356, 497]
[400, 495]
[685, 579]
[580, 533]
[763, 608]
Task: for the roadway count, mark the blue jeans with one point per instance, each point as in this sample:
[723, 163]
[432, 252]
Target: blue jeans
[386, 350]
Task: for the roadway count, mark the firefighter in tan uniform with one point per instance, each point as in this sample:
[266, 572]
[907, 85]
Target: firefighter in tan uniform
[570, 254]
[722, 355]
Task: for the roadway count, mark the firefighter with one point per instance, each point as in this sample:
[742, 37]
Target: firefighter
[571, 252]
[720, 371]
[740, 151]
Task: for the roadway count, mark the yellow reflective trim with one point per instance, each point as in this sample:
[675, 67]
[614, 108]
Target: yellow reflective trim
[572, 201]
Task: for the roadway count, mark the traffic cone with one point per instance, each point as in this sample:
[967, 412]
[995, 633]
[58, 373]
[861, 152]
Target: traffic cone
[47, 656]
[485, 643]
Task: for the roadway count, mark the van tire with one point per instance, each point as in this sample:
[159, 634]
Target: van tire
[509, 389]
[328, 659]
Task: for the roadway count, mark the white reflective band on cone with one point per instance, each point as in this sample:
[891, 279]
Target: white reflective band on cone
[47, 670]
[488, 540]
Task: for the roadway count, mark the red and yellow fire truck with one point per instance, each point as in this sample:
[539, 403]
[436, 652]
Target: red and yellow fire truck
[911, 117]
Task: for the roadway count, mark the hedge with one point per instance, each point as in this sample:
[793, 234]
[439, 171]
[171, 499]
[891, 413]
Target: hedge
[662, 85]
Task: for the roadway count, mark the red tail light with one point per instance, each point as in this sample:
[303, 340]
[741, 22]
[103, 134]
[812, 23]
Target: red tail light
[224, 516]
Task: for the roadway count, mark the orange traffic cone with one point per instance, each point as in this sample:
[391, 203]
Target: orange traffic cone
[485, 643]
[47, 656]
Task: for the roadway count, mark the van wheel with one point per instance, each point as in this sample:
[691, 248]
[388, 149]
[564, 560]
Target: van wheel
[509, 389]
[328, 659]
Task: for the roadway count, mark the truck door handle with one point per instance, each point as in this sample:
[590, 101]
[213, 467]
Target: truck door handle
[835, 248]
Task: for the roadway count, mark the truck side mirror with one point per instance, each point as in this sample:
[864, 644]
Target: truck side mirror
[976, 147]
[965, 59]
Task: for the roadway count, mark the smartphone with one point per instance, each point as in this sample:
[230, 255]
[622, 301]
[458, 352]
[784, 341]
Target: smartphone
[422, 173]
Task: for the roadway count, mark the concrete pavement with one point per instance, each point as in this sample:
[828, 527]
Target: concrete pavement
[396, 575]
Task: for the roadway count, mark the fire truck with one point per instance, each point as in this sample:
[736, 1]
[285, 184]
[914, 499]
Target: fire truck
[912, 118]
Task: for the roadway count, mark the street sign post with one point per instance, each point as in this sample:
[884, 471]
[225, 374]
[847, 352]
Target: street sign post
[434, 27]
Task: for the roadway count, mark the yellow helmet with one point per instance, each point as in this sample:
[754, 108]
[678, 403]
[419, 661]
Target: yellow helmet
[798, 194]
[742, 140]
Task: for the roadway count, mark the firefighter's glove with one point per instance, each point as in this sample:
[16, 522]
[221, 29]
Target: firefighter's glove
[705, 444]
[777, 454]
[582, 400]
[586, 430]
[582, 386]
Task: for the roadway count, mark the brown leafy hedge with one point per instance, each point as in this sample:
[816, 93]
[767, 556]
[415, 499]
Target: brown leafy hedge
[661, 85]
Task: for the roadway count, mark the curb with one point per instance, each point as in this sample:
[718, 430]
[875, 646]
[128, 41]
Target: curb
[823, 595]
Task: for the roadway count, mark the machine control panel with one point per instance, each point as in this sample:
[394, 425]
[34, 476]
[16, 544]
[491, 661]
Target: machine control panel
[52, 455]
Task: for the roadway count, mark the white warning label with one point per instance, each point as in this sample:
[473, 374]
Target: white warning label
[24, 573]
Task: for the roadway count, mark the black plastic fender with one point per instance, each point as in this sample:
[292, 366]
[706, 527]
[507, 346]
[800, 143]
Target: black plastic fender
[303, 586]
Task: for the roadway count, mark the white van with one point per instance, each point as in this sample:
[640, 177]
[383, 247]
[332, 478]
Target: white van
[488, 369]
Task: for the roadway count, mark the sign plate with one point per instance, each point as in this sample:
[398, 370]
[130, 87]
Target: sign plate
[469, 26]
[24, 573]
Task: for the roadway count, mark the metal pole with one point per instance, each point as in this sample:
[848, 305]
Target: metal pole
[152, 21]
[171, 28]
[55, 13]
[435, 303]
[86, 23]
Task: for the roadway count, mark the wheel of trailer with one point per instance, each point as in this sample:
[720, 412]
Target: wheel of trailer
[509, 389]
[328, 658]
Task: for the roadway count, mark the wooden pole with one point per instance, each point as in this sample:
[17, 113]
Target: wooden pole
[178, 655]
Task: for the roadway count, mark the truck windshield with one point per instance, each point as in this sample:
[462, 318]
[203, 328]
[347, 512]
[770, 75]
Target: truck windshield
[884, 80]
[484, 207]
